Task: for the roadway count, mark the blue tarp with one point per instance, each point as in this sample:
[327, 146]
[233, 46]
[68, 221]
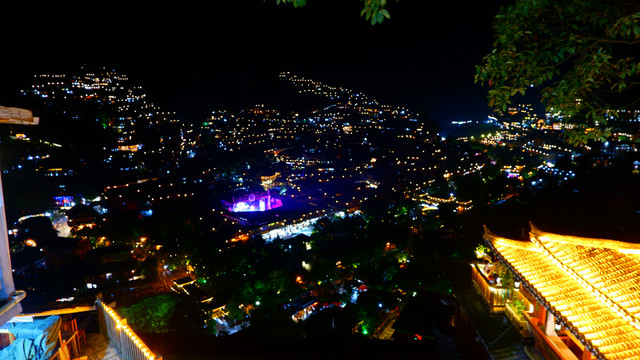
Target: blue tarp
[34, 340]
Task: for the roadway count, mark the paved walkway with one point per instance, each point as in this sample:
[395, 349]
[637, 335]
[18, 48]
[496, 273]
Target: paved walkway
[98, 348]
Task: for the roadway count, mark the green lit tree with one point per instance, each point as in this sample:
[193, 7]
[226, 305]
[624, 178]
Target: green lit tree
[267, 291]
[581, 55]
[163, 314]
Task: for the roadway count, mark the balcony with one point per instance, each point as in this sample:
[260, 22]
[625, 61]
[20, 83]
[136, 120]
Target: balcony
[561, 346]
[495, 295]
[83, 333]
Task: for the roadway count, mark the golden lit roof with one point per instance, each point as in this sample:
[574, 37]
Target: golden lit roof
[591, 285]
[623, 247]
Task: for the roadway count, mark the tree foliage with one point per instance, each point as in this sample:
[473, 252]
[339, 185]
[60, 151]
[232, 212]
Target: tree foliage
[372, 10]
[582, 55]
[162, 314]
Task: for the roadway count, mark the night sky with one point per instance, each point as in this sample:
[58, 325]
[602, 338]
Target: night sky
[193, 58]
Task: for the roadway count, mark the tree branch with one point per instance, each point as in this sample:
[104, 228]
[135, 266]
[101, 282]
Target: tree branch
[615, 41]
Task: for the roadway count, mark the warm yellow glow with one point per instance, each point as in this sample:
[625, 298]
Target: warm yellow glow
[30, 242]
[626, 248]
[593, 283]
[132, 148]
[630, 251]
[515, 244]
[120, 324]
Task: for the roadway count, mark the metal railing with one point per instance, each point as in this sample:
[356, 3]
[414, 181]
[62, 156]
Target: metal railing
[125, 340]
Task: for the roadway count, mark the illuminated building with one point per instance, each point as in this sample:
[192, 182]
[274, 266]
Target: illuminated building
[432, 202]
[253, 203]
[267, 181]
[519, 116]
[581, 295]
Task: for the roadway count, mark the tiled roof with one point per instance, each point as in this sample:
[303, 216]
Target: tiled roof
[591, 285]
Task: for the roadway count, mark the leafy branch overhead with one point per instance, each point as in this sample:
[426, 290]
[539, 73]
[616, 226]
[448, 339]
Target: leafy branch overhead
[373, 10]
[582, 55]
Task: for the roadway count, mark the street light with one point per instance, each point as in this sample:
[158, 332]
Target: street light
[8, 293]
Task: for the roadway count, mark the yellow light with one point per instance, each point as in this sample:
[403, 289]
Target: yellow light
[596, 302]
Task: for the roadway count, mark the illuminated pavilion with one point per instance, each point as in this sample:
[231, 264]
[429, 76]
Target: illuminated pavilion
[581, 295]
